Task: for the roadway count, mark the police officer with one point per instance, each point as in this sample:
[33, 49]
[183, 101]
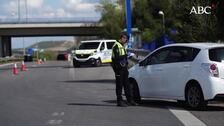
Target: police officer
[119, 65]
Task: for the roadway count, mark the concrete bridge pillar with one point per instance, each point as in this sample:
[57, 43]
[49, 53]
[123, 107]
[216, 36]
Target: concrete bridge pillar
[5, 46]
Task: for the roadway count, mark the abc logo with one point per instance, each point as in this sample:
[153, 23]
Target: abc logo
[200, 10]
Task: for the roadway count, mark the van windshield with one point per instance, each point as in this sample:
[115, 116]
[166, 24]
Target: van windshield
[89, 45]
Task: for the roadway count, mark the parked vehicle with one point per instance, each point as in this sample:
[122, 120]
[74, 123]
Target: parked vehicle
[93, 52]
[189, 73]
[62, 56]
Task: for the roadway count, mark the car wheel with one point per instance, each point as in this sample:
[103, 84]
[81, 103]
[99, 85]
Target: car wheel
[98, 62]
[194, 97]
[134, 90]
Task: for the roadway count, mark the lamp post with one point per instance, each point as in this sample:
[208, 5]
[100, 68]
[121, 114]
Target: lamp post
[18, 10]
[26, 11]
[163, 16]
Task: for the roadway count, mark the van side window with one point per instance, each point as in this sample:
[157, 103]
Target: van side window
[110, 45]
[102, 47]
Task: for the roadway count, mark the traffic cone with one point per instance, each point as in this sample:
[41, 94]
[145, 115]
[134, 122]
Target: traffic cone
[23, 67]
[41, 61]
[15, 70]
[38, 61]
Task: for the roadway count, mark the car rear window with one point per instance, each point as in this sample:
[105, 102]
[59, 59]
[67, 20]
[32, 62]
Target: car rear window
[216, 54]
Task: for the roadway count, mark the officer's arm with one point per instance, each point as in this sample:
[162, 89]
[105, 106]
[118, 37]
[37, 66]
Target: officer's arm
[116, 52]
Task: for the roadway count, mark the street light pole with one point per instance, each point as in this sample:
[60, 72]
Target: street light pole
[18, 10]
[26, 11]
[24, 51]
[163, 17]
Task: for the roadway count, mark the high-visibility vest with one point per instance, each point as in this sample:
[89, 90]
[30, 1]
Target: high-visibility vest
[122, 50]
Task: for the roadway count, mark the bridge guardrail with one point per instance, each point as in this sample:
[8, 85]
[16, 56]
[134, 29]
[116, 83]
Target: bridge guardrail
[49, 20]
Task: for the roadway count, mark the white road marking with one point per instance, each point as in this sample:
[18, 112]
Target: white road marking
[54, 122]
[71, 71]
[186, 117]
[58, 114]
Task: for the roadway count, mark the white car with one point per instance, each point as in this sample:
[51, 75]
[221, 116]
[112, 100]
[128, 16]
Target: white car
[93, 52]
[189, 73]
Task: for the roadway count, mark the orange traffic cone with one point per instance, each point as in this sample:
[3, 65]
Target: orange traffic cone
[15, 70]
[23, 67]
[38, 61]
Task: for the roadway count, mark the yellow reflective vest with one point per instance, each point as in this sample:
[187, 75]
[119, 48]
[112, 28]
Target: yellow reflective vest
[121, 50]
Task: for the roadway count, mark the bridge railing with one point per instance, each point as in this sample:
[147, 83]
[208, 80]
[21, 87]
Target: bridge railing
[49, 20]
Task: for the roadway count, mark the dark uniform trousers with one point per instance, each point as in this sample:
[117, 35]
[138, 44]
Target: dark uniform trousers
[122, 82]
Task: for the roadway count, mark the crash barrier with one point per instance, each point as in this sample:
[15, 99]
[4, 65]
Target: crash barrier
[10, 59]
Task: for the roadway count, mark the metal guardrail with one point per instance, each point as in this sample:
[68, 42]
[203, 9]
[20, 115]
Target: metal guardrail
[10, 59]
[49, 20]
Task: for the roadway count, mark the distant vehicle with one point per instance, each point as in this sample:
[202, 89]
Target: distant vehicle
[192, 74]
[28, 58]
[93, 52]
[62, 56]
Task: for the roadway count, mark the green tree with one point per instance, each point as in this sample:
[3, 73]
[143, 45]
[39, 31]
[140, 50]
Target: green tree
[113, 19]
[190, 27]
[220, 19]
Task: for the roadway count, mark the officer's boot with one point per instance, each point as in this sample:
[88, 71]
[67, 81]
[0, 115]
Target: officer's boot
[131, 102]
[121, 103]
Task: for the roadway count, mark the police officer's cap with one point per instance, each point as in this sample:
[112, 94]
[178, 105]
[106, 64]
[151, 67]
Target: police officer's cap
[124, 34]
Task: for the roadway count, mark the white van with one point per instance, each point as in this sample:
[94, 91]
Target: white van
[93, 52]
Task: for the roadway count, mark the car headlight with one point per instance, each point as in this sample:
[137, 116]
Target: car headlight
[94, 53]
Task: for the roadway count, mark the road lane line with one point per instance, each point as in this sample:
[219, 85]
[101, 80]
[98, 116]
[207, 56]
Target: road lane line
[54, 122]
[71, 71]
[186, 117]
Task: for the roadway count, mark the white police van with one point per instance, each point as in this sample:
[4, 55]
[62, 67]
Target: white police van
[93, 52]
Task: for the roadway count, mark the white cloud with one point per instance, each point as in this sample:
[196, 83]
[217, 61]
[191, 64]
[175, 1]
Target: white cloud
[44, 9]
[35, 3]
[61, 13]
[78, 7]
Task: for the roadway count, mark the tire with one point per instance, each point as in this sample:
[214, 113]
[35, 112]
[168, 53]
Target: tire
[134, 90]
[194, 97]
[98, 62]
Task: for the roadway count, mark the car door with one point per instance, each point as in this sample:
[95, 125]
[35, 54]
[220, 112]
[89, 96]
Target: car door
[108, 51]
[151, 72]
[102, 52]
[176, 70]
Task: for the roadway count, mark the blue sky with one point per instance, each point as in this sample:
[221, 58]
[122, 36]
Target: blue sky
[44, 9]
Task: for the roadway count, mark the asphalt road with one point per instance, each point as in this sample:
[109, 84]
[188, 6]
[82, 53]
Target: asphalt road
[56, 94]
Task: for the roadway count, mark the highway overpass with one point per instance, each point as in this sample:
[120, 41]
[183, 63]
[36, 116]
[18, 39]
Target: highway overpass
[9, 30]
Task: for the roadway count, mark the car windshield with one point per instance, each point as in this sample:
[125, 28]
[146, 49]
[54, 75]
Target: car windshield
[216, 54]
[89, 45]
